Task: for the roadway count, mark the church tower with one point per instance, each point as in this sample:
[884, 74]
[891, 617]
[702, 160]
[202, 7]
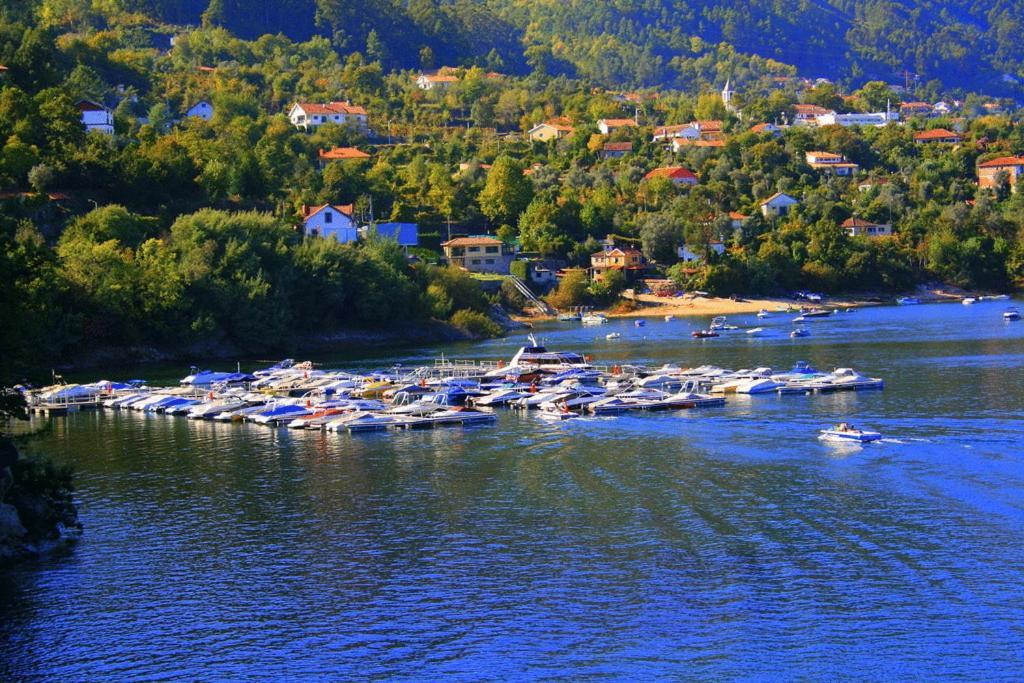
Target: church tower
[727, 94]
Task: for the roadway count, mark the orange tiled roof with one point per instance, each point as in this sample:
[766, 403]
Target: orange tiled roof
[937, 134]
[672, 173]
[855, 222]
[341, 153]
[1002, 161]
[331, 108]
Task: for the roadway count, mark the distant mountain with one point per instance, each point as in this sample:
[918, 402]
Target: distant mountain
[973, 44]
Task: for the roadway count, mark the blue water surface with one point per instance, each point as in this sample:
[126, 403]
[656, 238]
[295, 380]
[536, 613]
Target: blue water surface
[726, 543]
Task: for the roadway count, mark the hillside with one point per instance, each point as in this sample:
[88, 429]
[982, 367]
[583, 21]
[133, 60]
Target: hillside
[962, 43]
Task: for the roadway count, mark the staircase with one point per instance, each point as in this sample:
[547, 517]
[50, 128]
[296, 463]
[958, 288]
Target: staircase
[542, 307]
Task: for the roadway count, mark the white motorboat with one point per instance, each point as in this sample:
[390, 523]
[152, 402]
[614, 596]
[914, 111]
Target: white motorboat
[594, 319]
[719, 323]
[1011, 314]
[613, 335]
[845, 378]
[362, 421]
[968, 300]
[845, 432]
[763, 313]
[537, 357]
[669, 318]
[500, 397]
[816, 314]
[759, 385]
[799, 332]
[755, 332]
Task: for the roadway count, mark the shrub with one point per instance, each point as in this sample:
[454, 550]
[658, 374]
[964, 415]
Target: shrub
[475, 323]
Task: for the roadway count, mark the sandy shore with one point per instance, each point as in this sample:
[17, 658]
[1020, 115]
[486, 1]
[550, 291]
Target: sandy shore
[655, 306]
[651, 306]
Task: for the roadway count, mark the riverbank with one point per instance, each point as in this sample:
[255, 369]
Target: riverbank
[652, 306]
[37, 511]
[337, 342]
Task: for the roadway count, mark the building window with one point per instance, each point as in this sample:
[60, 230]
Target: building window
[489, 262]
[328, 217]
[491, 250]
[475, 262]
[473, 250]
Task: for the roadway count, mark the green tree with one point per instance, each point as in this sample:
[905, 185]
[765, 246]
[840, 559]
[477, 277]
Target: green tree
[507, 191]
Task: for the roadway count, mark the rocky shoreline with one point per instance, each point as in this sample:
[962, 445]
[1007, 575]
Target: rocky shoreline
[37, 512]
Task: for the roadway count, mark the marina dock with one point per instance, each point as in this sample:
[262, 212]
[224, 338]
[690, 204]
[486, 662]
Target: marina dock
[444, 393]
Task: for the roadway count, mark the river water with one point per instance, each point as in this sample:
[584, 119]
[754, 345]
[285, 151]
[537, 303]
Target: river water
[721, 543]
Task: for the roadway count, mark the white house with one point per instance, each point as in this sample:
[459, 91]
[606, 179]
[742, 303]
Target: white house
[829, 163]
[877, 118]
[330, 220]
[309, 115]
[96, 117]
[607, 126]
[778, 205]
[808, 114]
[858, 227]
[677, 175]
[696, 254]
[685, 130]
[201, 110]
[441, 80]
[551, 130]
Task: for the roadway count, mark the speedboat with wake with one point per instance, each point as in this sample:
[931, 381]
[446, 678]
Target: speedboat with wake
[845, 432]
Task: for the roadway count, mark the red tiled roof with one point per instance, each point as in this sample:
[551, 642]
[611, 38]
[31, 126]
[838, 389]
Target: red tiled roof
[3, 68]
[86, 105]
[310, 211]
[937, 134]
[340, 153]
[207, 69]
[855, 222]
[1002, 161]
[737, 216]
[618, 123]
[618, 146]
[672, 173]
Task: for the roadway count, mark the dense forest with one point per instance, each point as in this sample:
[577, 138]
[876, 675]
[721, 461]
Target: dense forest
[962, 43]
[179, 230]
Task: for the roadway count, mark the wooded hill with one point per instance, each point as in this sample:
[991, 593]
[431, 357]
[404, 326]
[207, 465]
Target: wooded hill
[961, 43]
